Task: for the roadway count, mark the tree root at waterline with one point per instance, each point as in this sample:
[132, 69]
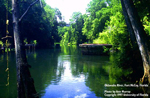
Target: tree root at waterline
[146, 76]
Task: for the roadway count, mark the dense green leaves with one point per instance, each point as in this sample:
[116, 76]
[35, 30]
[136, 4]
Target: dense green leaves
[73, 33]
[39, 24]
[43, 24]
[103, 23]
[98, 14]
[85, 28]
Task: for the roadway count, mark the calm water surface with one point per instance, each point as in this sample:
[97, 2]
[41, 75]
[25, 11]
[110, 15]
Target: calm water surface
[59, 73]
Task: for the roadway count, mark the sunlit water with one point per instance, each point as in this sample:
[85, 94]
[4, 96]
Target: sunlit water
[59, 73]
[68, 74]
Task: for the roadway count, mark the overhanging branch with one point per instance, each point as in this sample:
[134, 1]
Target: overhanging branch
[29, 8]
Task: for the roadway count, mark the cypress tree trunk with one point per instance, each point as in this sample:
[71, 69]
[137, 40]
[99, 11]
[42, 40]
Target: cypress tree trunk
[140, 36]
[129, 26]
[25, 84]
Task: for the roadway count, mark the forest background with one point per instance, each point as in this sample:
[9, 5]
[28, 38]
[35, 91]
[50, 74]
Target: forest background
[103, 23]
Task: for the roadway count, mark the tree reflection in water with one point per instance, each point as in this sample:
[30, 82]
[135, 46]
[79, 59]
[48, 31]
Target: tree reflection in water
[68, 73]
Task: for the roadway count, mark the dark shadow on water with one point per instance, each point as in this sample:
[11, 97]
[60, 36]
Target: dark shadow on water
[126, 68]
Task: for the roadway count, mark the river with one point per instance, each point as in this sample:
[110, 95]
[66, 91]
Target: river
[62, 73]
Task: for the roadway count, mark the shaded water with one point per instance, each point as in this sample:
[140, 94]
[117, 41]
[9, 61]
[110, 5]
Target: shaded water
[61, 73]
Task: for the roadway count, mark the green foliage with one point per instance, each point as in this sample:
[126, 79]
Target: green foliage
[146, 23]
[58, 13]
[6, 50]
[73, 34]
[94, 6]
[115, 32]
[1, 43]
[34, 42]
[98, 14]
[39, 24]
[103, 23]
[25, 41]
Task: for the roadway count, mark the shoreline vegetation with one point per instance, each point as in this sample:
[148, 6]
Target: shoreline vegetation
[123, 25]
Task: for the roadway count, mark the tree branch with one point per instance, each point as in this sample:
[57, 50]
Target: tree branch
[40, 3]
[29, 8]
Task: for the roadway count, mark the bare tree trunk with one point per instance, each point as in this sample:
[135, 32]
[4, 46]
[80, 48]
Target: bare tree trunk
[129, 26]
[25, 84]
[140, 36]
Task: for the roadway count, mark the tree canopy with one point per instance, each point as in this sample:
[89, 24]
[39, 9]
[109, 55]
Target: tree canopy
[39, 24]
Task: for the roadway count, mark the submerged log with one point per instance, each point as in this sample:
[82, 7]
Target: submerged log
[94, 49]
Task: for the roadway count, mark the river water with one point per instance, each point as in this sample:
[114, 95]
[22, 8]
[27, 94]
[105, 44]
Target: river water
[61, 73]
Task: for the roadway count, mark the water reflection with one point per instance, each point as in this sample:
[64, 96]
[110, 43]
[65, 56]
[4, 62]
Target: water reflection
[66, 73]
[44, 68]
[8, 76]
[69, 86]
[126, 71]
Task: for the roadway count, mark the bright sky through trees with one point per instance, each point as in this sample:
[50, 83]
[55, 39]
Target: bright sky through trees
[67, 7]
